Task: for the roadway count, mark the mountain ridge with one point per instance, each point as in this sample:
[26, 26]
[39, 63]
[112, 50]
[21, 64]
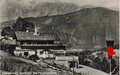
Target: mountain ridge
[74, 28]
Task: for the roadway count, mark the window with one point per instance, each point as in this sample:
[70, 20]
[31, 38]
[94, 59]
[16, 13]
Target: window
[26, 53]
[41, 52]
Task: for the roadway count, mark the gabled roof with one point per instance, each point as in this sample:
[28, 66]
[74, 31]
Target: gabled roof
[20, 35]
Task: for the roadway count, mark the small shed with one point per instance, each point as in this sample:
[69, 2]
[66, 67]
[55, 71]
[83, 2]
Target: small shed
[68, 61]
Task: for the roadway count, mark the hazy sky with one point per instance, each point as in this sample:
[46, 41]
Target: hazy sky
[103, 3]
[111, 4]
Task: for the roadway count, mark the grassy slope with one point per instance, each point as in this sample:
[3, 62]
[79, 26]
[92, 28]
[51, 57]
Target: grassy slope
[11, 64]
[14, 64]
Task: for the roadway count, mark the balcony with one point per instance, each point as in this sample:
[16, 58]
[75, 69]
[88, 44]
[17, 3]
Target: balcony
[40, 45]
[43, 46]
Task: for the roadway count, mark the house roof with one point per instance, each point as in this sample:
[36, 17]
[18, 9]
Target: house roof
[67, 58]
[20, 35]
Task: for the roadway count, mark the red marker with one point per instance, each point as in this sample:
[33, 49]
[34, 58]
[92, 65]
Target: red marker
[110, 51]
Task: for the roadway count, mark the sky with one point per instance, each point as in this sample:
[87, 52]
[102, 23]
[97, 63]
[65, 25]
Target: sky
[111, 4]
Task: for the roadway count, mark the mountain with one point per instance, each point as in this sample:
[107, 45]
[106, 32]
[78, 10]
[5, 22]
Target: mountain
[83, 28]
[11, 10]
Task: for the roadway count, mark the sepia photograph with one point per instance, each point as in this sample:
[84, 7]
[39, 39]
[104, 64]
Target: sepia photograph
[59, 37]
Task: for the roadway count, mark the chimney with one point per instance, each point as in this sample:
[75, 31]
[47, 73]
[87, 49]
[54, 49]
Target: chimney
[35, 32]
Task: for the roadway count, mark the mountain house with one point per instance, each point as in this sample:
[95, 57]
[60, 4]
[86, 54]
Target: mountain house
[43, 44]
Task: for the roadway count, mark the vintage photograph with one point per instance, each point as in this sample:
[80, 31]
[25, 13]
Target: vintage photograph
[59, 37]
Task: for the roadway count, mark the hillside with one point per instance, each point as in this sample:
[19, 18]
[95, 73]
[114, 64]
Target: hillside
[9, 63]
[86, 27]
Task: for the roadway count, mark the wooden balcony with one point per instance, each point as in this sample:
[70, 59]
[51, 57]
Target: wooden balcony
[43, 46]
[40, 45]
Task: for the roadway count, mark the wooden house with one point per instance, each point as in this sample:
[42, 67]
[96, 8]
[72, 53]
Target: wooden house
[27, 41]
